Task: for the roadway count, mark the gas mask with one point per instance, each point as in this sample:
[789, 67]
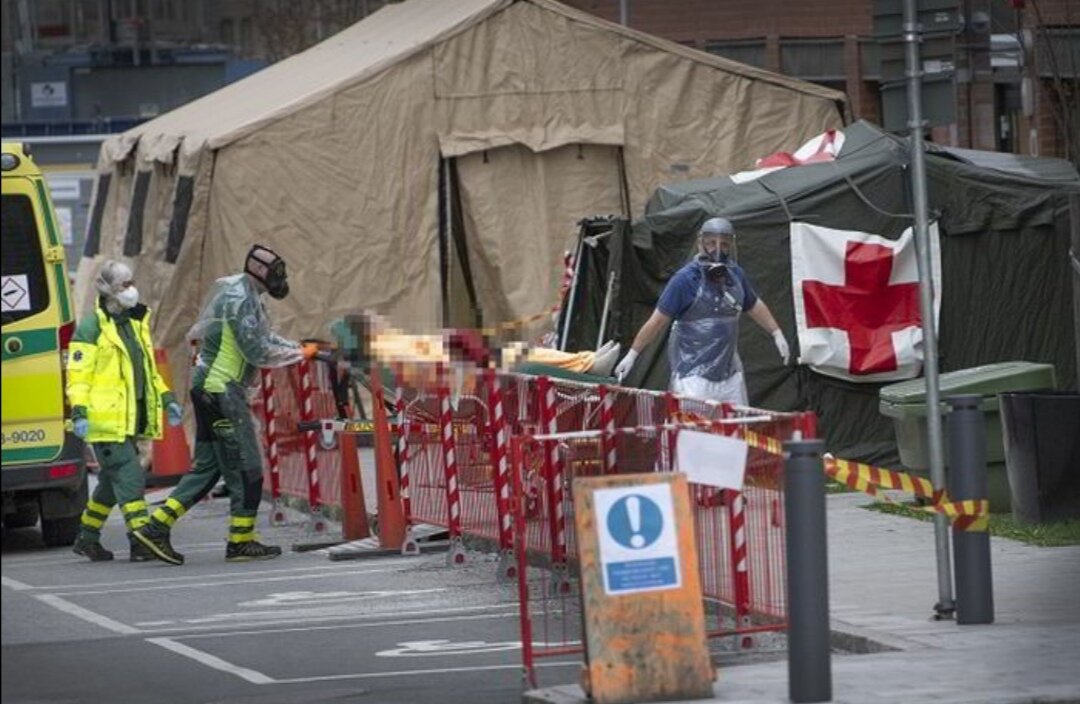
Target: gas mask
[716, 241]
[266, 267]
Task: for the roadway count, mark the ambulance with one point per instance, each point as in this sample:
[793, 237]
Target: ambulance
[42, 470]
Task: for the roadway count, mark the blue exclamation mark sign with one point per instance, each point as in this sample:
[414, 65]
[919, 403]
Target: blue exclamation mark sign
[633, 515]
[635, 521]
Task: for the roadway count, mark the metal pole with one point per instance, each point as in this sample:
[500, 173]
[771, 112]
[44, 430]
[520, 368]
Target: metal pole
[1074, 259]
[945, 606]
[607, 309]
[967, 481]
[809, 660]
[624, 13]
[568, 312]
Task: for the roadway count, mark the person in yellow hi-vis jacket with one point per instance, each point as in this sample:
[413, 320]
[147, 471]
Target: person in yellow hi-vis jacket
[116, 396]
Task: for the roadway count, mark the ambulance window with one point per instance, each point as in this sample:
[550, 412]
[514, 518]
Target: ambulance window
[25, 289]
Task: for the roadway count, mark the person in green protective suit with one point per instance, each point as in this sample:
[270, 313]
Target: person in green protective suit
[116, 397]
[235, 341]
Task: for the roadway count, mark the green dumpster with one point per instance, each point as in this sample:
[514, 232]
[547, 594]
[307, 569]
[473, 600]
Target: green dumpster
[905, 403]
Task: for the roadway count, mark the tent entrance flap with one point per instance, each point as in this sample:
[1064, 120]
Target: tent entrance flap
[519, 213]
[460, 308]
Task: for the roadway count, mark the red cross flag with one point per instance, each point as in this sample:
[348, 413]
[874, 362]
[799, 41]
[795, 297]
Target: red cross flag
[857, 302]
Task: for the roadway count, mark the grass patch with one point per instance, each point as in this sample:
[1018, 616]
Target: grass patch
[1002, 525]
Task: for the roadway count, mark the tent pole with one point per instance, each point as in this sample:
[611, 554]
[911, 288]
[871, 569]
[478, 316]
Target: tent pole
[607, 309]
[444, 237]
[569, 312]
[946, 606]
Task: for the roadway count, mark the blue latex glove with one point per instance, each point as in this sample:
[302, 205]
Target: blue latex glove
[81, 428]
[174, 413]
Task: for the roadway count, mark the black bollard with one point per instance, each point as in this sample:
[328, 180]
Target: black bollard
[809, 659]
[968, 480]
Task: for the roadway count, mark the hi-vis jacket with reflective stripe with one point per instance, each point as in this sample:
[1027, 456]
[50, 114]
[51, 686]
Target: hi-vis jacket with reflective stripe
[101, 378]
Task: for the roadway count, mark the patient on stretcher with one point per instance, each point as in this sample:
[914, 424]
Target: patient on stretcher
[367, 338]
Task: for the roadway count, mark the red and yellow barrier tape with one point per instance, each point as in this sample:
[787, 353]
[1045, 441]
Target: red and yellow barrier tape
[969, 515]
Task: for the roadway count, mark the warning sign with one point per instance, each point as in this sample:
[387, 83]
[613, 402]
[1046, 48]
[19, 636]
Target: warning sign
[642, 606]
[637, 540]
[14, 293]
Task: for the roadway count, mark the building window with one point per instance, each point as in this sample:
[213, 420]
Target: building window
[817, 60]
[227, 29]
[746, 51]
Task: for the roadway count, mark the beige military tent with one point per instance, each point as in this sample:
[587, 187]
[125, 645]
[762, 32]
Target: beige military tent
[429, 161]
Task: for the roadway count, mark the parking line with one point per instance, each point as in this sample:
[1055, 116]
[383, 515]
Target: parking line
[193, 632]
[212, 661]
[401, 673]
[207, 585]
[86, 614]
[334, 569]
[62, 557]
[14, 584]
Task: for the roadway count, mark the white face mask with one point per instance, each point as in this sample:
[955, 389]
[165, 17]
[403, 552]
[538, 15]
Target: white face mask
[128, 297]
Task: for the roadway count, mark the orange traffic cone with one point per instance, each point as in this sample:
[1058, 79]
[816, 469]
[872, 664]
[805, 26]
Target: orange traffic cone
[171, 456]
[391, 513]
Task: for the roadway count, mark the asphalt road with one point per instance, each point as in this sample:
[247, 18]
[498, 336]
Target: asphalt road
[296, 629]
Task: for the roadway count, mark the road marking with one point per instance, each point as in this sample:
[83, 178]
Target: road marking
[210, 585]
[14, 584]
[189, 633]
[212, 661]
[333, 569]
[313, 598]
[427, 648]
[63, 557]
[438, 671]
[86, 614]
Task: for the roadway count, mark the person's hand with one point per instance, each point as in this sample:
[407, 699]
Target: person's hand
[310, 349]
[174, 413]
[781, 346]
[81, 428]
[622, 369]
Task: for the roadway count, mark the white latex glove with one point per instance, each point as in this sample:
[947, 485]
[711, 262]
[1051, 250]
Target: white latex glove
[625, 365]
[781, 346]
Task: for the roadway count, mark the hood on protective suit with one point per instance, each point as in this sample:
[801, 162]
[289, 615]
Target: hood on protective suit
[234, 301]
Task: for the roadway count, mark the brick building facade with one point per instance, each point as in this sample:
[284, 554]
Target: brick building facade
[831, 42]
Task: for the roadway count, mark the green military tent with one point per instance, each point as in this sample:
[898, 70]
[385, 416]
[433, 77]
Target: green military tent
[1005, 290]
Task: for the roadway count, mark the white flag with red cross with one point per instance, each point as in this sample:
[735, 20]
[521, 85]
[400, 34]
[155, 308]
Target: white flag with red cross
[857, 302]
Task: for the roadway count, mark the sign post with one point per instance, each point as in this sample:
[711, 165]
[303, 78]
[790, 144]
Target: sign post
[641, 590]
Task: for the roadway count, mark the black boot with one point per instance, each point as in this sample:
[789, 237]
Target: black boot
[157, 542]
[139, 552]
[93, 550]
[250, 551]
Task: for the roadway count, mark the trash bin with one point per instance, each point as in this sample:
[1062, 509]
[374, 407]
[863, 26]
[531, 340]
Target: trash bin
[905, 403]
[1042, 454]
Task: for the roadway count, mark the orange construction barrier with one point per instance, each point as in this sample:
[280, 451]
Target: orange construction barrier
[391, 514]
[171, 455]
[354, 523]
